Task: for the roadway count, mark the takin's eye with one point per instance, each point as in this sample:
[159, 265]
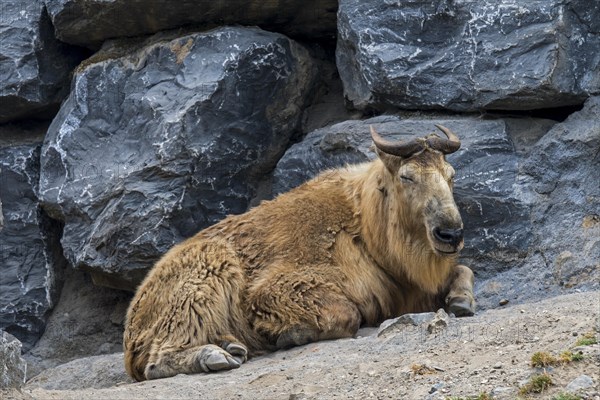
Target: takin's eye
[407, 179]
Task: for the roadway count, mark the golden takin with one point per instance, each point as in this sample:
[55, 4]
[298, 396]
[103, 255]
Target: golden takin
[353, 246]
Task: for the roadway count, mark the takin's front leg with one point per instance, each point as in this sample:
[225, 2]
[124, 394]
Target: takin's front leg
[205, 358]
[460, 299]
[297, 308]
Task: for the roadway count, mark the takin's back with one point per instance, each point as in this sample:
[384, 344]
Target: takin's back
[299, 227]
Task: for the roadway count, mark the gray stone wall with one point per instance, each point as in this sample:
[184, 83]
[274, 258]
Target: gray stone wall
[170, 118]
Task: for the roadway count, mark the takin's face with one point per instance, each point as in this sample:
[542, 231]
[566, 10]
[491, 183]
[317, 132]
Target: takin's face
[423, 183]
[426, 183]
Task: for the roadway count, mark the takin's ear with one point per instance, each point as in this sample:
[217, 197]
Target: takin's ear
[391, 162]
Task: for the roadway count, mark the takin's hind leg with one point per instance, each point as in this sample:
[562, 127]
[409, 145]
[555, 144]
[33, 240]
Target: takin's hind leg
[207, 358]
[336, 321]
[460, 299]
[296, 309]
[188, 317]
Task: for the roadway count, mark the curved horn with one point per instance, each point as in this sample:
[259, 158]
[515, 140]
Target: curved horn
[400, 149]
[446, 146]
[449, 134]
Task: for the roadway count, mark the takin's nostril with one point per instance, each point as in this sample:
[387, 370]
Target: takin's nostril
[450, 236]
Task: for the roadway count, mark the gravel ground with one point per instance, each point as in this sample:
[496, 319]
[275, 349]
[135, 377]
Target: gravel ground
[488, 353]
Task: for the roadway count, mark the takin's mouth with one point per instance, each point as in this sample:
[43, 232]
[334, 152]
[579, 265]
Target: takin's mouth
[447, 253]
[445, 250]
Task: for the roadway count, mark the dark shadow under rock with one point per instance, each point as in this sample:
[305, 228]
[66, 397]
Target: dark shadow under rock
[89, 23]
[87, 321]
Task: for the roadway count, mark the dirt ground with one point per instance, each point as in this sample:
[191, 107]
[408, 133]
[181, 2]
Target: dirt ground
[489, 353]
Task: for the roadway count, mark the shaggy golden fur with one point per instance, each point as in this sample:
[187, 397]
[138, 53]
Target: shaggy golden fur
[351, 247]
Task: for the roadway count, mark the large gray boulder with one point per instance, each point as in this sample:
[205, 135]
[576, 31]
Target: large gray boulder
[13, 368]
[152, 146]
[558, 178]
[89, 23]
[469, 55]
[34, 65]
[563, 170]
[30, 257]
[87, 372]
[530, 207]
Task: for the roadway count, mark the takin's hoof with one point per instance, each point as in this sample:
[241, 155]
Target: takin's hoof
[237, 351]
[296, 337]
[461, 306]
[154, 371]
[212, 358]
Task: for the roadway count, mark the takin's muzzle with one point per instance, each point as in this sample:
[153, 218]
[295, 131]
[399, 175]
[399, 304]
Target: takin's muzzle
[445, 226]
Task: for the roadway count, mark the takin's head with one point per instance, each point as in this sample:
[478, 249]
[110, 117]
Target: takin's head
[422, 181]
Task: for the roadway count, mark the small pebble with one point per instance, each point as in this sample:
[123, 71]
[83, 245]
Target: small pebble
[503, 302]
[436, 387]
[500, 391]
[582, 382]
[498, 365]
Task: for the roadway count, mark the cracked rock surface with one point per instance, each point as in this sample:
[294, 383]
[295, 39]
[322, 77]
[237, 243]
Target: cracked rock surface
[13, 367]
[30, 257]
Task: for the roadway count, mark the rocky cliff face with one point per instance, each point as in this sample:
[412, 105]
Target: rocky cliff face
[177, 118]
